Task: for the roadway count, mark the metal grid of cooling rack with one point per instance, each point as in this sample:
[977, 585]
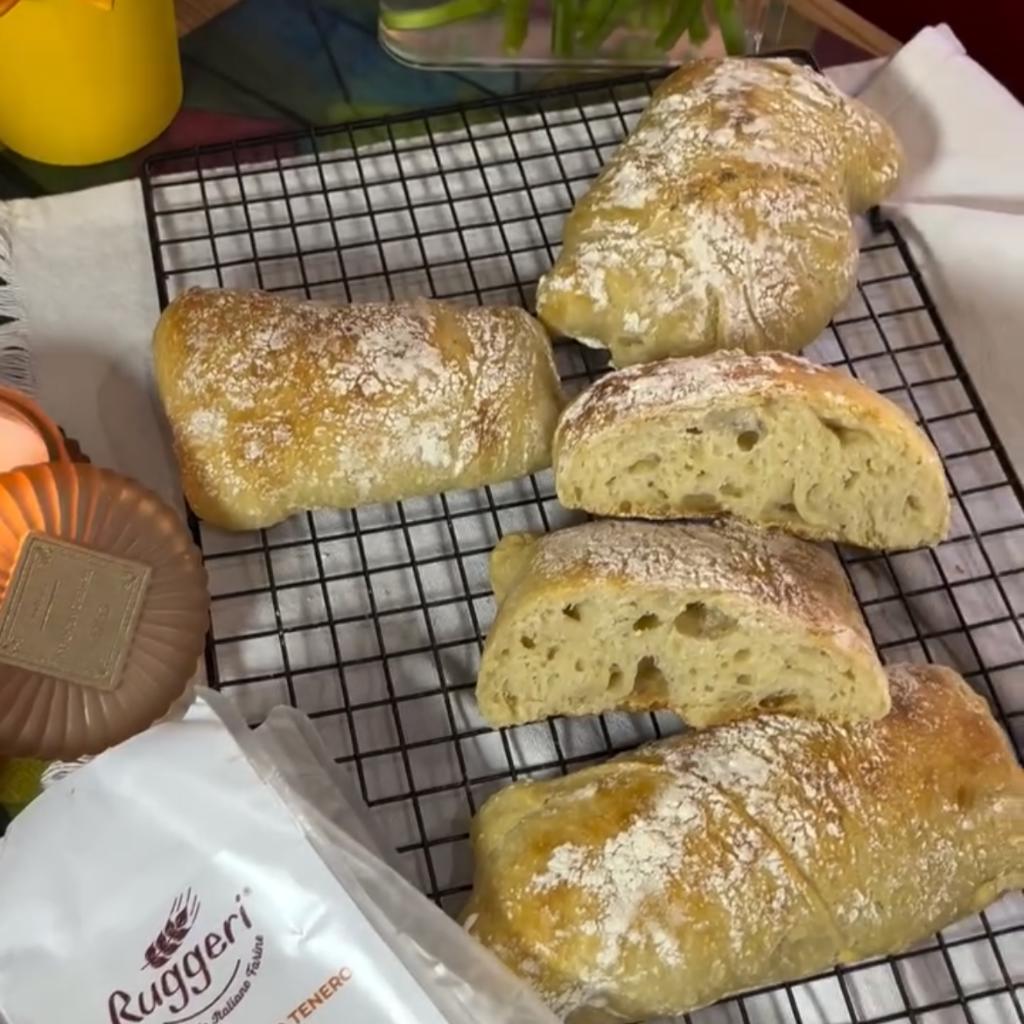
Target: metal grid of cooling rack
[371, 621]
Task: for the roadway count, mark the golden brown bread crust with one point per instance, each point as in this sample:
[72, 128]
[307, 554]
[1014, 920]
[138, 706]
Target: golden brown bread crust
[695, 383]
[750, 854]
[649, 436]
[724, 219]
[278, 406]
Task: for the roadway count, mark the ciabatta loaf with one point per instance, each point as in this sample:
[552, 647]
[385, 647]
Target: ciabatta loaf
[278, 406]
[750, 854]
[724, 219]
[771, 438]
[713, 622]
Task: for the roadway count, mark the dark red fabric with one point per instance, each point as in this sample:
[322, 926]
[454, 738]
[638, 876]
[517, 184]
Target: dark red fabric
[992, 30]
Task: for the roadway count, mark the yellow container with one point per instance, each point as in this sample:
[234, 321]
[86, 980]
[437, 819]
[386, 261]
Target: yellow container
[86, 80]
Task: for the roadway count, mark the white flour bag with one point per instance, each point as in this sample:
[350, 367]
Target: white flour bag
[201, 873]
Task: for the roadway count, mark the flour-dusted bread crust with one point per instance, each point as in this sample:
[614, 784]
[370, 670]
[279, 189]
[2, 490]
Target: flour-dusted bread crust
[750, 854]
[724, 219]
[713, 622]
[279, 406]
[771, 438]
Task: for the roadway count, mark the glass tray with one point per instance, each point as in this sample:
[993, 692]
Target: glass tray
[628, 39]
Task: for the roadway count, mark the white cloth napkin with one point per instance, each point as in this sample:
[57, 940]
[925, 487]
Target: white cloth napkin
[961, 203]
[84, 294]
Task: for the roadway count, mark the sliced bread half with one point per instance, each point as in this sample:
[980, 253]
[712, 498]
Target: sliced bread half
[713, 621]
[773, 439]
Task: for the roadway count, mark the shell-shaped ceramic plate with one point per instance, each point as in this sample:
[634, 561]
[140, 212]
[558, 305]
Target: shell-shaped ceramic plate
[46, 712]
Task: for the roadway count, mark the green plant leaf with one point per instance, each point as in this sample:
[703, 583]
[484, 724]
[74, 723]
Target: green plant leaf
[680, 17]
[563, 21]
[517, 24]
[439, 14]
[731, 24]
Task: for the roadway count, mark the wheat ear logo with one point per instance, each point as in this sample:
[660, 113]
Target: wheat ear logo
[182, 916]
[193, 974]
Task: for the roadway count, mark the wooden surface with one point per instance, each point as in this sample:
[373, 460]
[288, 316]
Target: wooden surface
[191, 14]
[838, 19]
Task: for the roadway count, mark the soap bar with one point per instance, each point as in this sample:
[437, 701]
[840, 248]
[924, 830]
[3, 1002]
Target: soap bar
[103, 610]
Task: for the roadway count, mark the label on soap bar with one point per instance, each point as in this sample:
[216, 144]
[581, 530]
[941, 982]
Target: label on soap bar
[71, 611]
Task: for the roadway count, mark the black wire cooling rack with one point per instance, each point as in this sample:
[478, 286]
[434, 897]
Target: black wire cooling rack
[372, 620]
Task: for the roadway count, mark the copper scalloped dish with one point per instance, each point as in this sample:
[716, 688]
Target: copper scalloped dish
[49, 715]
